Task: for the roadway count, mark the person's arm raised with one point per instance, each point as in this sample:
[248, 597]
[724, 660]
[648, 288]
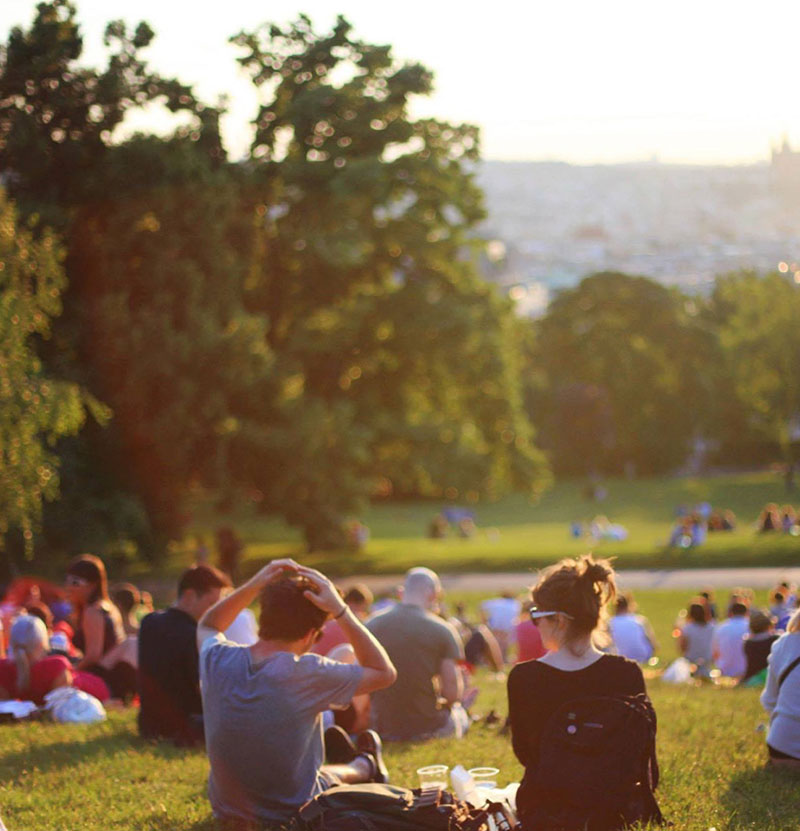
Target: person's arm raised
[222, 614]
[379, 671]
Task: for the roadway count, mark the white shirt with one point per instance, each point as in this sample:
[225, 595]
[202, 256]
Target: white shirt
[502, 613]
[728, 642]
[243, 630]
[630, 637]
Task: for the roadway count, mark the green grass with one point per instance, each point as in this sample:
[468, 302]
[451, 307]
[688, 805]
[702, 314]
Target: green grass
[516, 534]
[98, 777]
[102, 777]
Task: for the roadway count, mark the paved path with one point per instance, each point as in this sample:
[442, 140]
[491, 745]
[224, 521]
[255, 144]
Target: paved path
[688, 579]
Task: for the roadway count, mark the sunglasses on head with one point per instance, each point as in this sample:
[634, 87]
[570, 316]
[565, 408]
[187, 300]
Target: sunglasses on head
[538, 614]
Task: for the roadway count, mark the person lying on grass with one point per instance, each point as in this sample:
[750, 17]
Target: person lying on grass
[262, 704]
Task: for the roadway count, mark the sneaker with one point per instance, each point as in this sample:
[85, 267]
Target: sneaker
[369, 744]
[339, 750]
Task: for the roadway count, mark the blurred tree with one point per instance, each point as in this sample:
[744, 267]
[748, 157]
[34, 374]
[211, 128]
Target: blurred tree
[154, 279]
[35, 410]
[626, 363]
[366, 272]
[756, 318]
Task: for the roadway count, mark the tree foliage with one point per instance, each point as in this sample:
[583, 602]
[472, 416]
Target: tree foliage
[756, 318]
[626, 375]
[35, 410]
[366, 273]
[308, 326]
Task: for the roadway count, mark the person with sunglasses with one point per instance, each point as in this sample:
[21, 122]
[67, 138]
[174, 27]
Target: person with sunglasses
[567, 603]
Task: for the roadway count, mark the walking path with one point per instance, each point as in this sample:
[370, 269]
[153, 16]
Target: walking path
[690, 579]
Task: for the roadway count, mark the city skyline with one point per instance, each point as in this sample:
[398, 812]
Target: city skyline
[584, 83]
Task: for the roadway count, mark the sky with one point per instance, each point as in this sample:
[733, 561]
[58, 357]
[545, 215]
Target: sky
[582, 81]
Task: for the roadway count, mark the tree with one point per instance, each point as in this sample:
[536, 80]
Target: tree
[35, 410]
[756, 317]
[642, 351]
[366, 273]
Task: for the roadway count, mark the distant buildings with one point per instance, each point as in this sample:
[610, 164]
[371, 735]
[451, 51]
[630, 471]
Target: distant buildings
[678, 224]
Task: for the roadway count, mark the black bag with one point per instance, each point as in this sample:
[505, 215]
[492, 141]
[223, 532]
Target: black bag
[390, 808]
[597, 767]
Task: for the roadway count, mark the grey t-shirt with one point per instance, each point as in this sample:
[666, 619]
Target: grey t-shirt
[417, 642]
[263, 726]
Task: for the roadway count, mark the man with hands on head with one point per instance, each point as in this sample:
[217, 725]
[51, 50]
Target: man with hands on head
[263, 703]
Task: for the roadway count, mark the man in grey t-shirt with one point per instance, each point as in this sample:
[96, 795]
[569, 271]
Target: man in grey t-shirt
[426, 700]
[262, 703]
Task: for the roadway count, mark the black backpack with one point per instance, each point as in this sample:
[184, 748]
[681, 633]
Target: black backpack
[390, 808]
[597, 767]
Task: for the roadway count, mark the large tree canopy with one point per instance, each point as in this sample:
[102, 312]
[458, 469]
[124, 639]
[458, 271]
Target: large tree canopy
[310, 325]
[366, 273]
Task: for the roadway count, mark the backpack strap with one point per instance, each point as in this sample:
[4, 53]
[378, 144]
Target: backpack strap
[788, 669]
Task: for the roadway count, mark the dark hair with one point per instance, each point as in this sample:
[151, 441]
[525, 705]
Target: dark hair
[126, 596]
[624, 603]
[580, 588]
[737, 608]
[286, 614]
[202, 578]
[760, 621]
[698, 611]
[91, 568]
[359, 593]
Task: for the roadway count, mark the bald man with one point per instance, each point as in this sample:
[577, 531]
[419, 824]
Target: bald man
[425, 701]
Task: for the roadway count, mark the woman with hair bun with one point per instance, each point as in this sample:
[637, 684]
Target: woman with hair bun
[568, 601]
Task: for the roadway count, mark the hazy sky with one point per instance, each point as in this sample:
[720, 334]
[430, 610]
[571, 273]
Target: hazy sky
[578, 80]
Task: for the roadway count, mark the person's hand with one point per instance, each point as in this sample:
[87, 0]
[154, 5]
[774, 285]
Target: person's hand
[274, 571]
[322, 593]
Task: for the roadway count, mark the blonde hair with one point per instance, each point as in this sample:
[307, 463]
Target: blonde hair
[794, 622]
[28, 633]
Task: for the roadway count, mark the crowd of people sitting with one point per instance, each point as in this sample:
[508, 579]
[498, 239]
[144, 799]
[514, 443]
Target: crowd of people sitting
[780, 519]
[256, 691]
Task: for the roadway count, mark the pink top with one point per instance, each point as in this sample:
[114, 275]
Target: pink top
[529, 642]
[332, 635]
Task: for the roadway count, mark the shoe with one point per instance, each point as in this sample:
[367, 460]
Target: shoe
[339, 750]
[370, 745]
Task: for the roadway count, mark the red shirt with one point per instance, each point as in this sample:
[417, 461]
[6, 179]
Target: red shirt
[529, 642]
[44, 673]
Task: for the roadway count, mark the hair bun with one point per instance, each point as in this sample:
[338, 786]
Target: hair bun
[596, 571]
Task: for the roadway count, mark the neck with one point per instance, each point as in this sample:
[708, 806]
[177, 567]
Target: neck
[419, 602]
[185, 608]
[264, 648]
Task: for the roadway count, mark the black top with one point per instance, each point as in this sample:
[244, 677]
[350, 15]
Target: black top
[111, 637]
[536, 690]
[169, 681]
[757, 650]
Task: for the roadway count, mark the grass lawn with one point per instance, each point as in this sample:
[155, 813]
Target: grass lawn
[102, 777]
[98, 777]
[515, 533]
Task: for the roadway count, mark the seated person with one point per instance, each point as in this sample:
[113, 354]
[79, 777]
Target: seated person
[425, 702]
[529, 640]
[30, 673]
[99, 633]
[359, 598]
[169, 679]
[728, 641]
[262, 704]
[500, 615]
[696, 636]
[757, 645]
[126, 598]
[632, 634]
